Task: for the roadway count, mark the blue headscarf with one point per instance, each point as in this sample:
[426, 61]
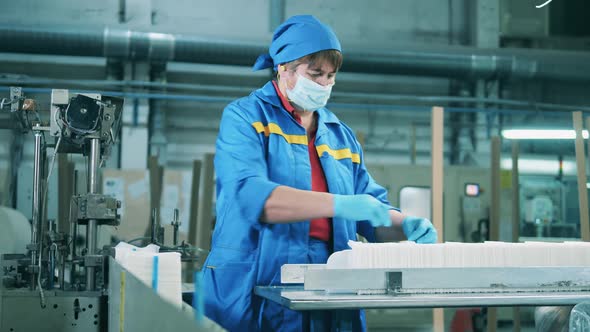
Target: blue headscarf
[297, 37]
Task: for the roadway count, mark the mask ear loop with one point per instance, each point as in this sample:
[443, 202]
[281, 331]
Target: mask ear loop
[278, 74]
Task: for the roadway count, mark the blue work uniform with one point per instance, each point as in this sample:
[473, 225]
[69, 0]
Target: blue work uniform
[261, 146]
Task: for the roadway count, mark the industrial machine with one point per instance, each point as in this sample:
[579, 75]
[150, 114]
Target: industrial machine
[549, 207]
[57, 284]
[54, 281]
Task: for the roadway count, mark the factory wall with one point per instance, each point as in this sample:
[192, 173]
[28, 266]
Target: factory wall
[377, 24]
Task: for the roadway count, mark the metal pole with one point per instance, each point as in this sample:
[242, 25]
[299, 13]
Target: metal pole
[175, 224]
[73, 234]
[52, 257]
[91, 229]
[35, 230]
[62, 270]
[154, 226]
[93, 165]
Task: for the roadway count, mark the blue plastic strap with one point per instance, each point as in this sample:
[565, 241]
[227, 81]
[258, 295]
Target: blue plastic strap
[155, 274]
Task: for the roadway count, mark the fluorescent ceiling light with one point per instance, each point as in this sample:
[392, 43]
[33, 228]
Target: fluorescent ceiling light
[542, 134]
[540, 166]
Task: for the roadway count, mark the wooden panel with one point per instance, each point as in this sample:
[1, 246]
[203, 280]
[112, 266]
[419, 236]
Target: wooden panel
[437, 169]
[205, 221]
[581, 170]
[515, 218]
[494, 212]
[516, 319]
[156, 173]
[193, 220]
[360, 136]
[492, 319]
[437, 126]
[515, 193]
[194, 208]
[495, 202]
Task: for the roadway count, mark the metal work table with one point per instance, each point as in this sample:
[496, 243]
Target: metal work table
[295, 298]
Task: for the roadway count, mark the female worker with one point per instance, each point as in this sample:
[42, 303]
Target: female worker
[292, 186]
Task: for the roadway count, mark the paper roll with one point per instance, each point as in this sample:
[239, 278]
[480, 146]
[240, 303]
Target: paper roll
[15, 231]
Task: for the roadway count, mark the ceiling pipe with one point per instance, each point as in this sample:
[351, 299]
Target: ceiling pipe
[440, 61]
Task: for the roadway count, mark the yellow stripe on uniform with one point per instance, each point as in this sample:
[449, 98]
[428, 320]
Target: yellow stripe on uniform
[339, 154]
[273, 128]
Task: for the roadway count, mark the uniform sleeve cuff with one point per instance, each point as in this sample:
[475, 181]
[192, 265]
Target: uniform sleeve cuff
[253, 195]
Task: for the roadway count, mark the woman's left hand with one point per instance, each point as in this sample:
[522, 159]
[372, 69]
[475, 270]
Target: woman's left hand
[419, 230]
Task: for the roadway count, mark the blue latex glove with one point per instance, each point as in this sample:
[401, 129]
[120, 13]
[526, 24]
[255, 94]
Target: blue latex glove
[419, 230]
[362, 207]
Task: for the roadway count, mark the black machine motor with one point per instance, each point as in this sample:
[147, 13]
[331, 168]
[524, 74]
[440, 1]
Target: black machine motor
[83, 113]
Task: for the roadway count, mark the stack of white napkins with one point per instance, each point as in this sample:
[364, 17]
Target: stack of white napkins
[454, 254]
[147, 263]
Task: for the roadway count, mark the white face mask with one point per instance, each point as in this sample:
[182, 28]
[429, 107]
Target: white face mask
[309, 95]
